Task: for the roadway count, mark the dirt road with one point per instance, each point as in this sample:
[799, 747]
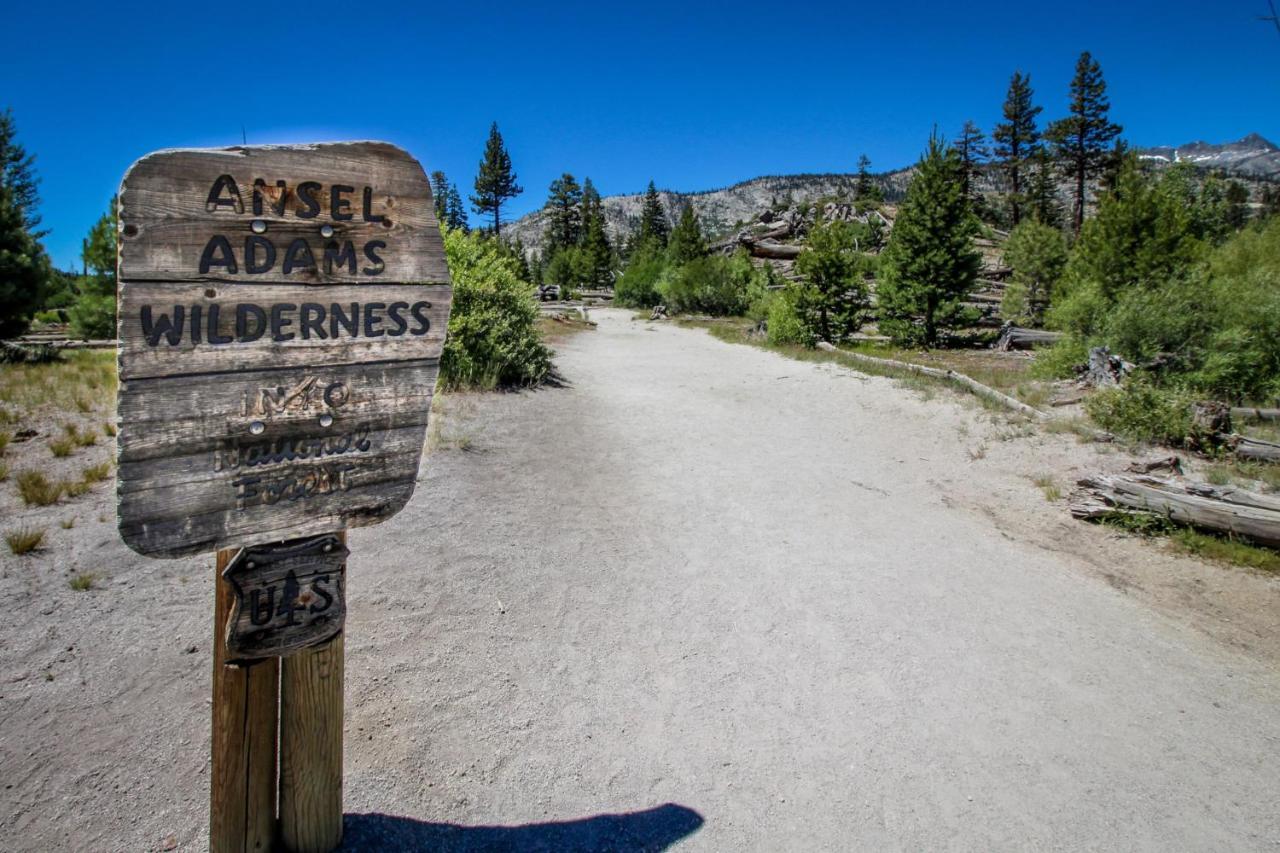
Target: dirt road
[704, 597]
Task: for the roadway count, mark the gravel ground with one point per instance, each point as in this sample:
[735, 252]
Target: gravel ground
[703, 597]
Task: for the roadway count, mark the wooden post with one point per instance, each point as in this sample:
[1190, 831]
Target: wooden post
[242, 811]
[311, 684]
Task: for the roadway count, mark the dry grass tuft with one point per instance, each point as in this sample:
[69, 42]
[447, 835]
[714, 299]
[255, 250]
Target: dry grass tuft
[83, 581]
[36, 489]
[24, 540]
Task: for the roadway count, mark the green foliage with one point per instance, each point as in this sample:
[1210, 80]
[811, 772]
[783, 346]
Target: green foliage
[866, 191]
[1142, 412]
[496, 180]
[706, 285]
[93, 315]
[834, 300]
[930, 265]
[564, 213]
[1081, 140]
[24, 268]
[785, 325]
[1017, 138]
[971, 147]
[637, 287]
[596, 266]
[1242, 360]
[1038, 254]
[653, 219]
[1139, 255]
[1042, 190]
[18, 175]
[493, 340]
[440, 195]
[686, 243]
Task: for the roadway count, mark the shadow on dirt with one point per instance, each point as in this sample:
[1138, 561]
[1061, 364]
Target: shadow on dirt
[649, 830]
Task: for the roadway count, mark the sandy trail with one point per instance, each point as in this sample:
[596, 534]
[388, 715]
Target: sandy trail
[705, 597]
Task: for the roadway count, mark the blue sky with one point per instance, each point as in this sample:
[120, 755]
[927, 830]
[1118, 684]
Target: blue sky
[694, 95]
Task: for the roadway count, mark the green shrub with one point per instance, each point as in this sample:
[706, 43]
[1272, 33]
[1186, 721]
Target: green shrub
[1037, 253]
[705, 286]
[1142, 412]
[785, 323]
[637, 287]
[493, 340]
[93, 316]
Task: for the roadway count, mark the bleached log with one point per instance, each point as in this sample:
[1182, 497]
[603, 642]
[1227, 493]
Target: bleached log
[1015, 337]
[778, 251]
[1221, 510]
[984, 391]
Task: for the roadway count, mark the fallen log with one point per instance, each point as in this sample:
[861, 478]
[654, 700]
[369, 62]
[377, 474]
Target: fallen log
[1015, 337]
[1249, 414]
[1254, 449]
[777, 251]
[1199, 505]
[974, 386]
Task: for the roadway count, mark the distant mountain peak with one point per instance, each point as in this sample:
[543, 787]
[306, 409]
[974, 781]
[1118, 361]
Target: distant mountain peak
[1253, 156]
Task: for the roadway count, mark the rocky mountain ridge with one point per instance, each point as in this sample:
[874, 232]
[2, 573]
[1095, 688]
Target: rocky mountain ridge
[725, 210]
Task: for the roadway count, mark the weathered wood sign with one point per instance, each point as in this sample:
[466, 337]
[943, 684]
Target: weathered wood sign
[287, 597]
[282, 311]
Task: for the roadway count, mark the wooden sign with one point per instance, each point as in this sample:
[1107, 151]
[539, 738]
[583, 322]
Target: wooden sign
[287, 597]
[282, 311]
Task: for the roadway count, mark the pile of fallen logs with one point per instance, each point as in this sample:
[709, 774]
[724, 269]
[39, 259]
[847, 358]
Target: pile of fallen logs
[1221, 509]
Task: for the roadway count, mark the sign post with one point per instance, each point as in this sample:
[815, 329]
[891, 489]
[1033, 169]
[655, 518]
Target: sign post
[282, 311]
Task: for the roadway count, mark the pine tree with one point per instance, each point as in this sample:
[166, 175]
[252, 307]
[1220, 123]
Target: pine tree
[440, 195]
[1237, 205]
[564, 213]
[653, 218]
[522, 260]
[24, 268]
[1017, 137]
[456, 211]
[930, 265]
[597, 253]
[1042, 191]
[866, 190]
[1081, 140]
[495, 182]
[972, 148]
[833, 300]
[687, 242]
[17, 172]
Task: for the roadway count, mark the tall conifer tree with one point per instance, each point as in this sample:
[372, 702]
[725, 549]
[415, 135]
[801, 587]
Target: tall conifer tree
[564, 214]
[18, 173]
[496, 180]
[1017, 137]
[930, 265]
[440, 196]
[597, 253]
[971, 147]
[1081, 141]
[455, 210]
[687, 242]
[653, 218]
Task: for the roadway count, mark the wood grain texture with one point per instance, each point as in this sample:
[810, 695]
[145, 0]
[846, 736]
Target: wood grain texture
[140, 359]
[166, 223]
[311, 711]
[242, 802]
[288, 597]
[299, 406]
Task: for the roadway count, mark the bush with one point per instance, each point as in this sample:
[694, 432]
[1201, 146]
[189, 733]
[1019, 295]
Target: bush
[785, 323]
[637, 287]
[1037, 253]
[93, 316]
[705, 286]
[1142, 412]
[493, 340]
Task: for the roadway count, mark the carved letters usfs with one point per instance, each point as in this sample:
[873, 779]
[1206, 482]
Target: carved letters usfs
[287, 597]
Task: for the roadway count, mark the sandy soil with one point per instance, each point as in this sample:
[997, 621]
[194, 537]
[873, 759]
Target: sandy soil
[704, 596]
